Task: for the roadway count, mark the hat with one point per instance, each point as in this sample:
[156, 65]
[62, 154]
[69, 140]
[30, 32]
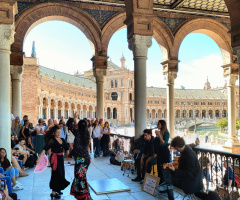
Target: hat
[17, 118]
[227, 161]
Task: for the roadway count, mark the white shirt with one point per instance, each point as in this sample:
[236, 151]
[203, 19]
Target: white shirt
[40, 128]
[97, 132]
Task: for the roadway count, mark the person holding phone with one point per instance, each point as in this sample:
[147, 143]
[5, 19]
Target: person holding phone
[4, 192]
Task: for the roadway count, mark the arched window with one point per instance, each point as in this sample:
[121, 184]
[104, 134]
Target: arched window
[112, 84]
[108, 113]
[114, 113]
[130, 97]
[115, 83]
[114, 96]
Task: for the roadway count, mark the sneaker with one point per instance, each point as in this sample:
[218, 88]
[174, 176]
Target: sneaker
[18, 183]
[17, 187]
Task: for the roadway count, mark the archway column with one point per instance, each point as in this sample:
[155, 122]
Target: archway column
[16, 75]
[7, 38]
[100, 71]
[170, 69]
[230, 72]
[139, 45]
[237, 52]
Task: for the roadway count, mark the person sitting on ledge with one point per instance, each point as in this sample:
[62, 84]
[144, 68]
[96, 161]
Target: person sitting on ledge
[188, 176]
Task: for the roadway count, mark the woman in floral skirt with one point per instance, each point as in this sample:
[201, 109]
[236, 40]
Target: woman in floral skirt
[80, 188]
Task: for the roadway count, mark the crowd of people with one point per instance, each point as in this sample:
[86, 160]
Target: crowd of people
[73, 138]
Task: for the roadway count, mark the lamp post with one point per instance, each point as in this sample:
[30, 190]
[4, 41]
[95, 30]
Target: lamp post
[223, 108]
[184, 112]
[192, 109]
[195, 114]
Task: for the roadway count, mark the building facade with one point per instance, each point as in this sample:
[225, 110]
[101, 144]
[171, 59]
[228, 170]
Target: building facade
[60, 94]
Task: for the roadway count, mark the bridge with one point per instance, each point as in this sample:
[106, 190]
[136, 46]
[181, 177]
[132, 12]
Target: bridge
[191, 124]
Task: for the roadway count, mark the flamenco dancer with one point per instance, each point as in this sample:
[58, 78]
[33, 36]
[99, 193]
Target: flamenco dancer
[56, 144]
[80, 188]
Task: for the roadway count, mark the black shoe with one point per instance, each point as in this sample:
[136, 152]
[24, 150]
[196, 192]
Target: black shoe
[56, 196]
[137, 179]
[164, 187]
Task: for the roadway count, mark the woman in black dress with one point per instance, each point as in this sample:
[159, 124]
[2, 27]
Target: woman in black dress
[80, 188]
[56, 144]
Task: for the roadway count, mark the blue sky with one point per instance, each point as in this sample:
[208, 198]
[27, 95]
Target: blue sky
[62, 46]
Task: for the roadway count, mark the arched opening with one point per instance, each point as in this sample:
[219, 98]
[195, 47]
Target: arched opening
[72, 110]
[108, 113]
[50, 38]
[114, 96]
[131, 115]
[45, 104]
[160, 113]
[52, 108]
[147, 113]
[217, 114]
[60, 105]
[153, 114]
[203, 113]
[114, 113]
[84, 111]
[91, 114]
[66, 110]
[130, 97]
[210, 114]
[78, 109]
[177, 114]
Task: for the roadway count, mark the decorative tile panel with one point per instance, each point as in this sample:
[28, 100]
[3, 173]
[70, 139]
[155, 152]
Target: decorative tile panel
[209, 5]
[172, 23]
[164, 2]
[100, 16]
[228, 25]
[22, 5]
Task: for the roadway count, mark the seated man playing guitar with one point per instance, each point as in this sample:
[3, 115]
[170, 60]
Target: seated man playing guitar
[188, 176]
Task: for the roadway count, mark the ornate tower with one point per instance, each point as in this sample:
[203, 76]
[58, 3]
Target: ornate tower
[122, 61]
[33, 50]
[207, 85]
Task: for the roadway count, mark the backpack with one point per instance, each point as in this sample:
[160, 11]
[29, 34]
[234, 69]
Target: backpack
[30, 162]
[114, 161]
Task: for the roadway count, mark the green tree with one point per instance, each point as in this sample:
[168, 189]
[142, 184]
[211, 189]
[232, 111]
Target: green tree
[222, 124]
[237, 124]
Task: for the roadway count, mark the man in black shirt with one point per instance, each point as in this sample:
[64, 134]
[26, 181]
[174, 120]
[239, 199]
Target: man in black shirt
[188, 176]
[149, 156]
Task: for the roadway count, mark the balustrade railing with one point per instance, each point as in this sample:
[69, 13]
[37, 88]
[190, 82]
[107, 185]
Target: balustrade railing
[218, 168]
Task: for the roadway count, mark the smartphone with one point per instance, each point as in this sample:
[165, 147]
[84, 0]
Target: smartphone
[3, 185]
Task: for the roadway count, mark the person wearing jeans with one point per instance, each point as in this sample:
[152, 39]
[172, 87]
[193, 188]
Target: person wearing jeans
[97, 135]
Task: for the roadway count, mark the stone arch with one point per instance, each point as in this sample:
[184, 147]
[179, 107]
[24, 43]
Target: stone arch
[72, 110]
[78, 109]
[215, 30]
[55, 11]
[84, 111]
[66, 107]
[153, 113]
[161, 33]
[60, 105]
[164, 37]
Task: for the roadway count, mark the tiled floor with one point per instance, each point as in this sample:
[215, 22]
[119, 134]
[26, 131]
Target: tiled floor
[36, 186]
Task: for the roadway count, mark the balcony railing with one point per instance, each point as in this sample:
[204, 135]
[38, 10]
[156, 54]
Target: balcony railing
[217, 171]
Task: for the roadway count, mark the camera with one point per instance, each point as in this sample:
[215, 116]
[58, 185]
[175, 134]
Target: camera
[3, 185]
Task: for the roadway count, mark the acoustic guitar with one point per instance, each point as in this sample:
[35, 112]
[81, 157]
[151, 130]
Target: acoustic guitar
[175, 163]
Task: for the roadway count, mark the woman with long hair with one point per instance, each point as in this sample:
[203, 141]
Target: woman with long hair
[70, 136]
[25, 133]
[17, 126]
[40, 140]
[105, 138]
[162, 138]
[9, 170]
[80, 188]
[56, 144]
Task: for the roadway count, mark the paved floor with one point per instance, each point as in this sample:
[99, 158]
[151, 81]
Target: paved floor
[36, 186]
